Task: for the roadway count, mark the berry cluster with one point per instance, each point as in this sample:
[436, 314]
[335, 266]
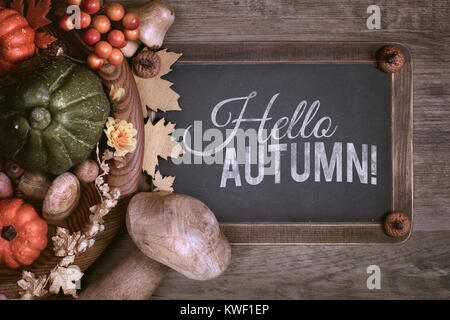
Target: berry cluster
[115, 18]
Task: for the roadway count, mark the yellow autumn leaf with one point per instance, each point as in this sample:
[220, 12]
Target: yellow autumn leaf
[159, 142]
[156, 93]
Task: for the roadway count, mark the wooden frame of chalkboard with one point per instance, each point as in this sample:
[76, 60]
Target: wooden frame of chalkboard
[401, 133]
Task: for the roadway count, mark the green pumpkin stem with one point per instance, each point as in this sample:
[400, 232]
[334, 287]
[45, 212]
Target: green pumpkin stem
[40, 118]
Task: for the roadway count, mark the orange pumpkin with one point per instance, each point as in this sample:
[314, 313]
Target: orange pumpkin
[23, 234]
[16, 39]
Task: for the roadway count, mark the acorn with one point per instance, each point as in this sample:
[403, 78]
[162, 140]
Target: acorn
[147, 64]
[390, 59]
[397, 225]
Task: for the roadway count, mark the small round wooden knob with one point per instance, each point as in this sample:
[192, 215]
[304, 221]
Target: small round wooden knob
[390, 59]
[397, 225]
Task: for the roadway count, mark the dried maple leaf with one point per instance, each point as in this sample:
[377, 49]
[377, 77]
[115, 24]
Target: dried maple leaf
[163, 183]
[37, 12]
[18, 6]
[43, 39]
[34, 287]
[159, 142]
[155, 92]
[65, 278]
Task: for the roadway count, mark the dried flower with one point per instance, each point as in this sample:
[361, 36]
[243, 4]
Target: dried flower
[121, 136]
[116, 93]
[66, 244]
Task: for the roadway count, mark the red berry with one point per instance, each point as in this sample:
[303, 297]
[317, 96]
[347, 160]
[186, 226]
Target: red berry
[91, 6]
[132, 35]
[115, 11]
[74, 2]
[94, 61]
[92, 36]
[131, 21]
[103, 49]
[102, 24]
[66, 23]
[116, 57]
[117, 39]
[85, 20]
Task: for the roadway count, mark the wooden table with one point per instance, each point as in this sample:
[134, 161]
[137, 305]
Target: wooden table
[420, 268]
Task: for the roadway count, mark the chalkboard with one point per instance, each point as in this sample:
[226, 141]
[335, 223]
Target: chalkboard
[329, 162]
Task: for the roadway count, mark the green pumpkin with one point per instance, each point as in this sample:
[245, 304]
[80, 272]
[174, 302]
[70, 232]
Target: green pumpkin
[52, 114]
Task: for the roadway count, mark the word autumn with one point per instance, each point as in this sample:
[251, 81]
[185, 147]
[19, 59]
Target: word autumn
[242, 152]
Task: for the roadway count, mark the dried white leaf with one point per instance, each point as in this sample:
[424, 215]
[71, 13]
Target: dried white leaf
[66, 261]
[65, 278]
[34, 287]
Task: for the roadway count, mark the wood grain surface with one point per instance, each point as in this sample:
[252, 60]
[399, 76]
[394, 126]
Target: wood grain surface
[417, 269]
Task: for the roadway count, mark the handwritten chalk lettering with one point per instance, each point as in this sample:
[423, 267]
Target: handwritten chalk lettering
[283, 127]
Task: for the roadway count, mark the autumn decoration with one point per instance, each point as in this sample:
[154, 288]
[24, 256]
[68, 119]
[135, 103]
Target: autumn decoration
[23, 233]
[19, 32]
[62, 135]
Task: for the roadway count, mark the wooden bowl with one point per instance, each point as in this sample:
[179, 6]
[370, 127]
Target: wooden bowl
[125, 178]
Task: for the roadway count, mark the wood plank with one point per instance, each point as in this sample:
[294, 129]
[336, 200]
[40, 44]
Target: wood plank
[417, 269]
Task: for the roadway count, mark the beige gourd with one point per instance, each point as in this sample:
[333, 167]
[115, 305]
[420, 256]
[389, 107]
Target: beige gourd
[156, 16]
[169, 229]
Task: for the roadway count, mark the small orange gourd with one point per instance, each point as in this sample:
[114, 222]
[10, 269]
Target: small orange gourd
[16, 39]
[23, 234]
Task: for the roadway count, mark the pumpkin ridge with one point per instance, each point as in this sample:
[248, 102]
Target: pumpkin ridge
[6, 12]
[81, 99]
[16, 37]
[76, 139]
[74, 136]
[53, 87]
[62, 144]
[12, 22]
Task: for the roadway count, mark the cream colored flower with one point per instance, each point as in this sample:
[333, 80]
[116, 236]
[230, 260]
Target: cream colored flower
[120, 136]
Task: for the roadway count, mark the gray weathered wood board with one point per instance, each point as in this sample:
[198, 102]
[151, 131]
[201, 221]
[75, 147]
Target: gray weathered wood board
[420, 268]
